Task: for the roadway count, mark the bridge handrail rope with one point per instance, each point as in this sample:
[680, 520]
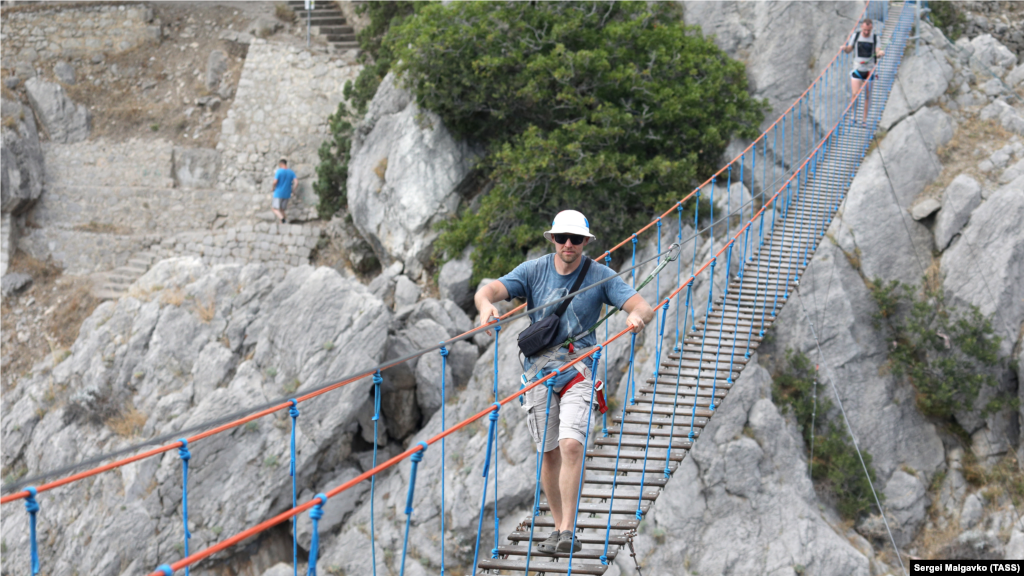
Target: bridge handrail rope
[491, 412]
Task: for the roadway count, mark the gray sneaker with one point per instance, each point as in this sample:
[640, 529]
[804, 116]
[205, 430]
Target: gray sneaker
[567, 540]
[550, 545]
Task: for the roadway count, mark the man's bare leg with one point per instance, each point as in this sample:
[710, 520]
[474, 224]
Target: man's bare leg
[569, 481]
[549, 481]
[855, 85]
[867, 101]
[278, 213]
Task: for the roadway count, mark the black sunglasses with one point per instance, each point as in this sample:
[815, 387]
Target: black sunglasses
[563, 238]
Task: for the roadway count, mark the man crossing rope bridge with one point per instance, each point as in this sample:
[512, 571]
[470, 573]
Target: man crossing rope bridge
[543, 280]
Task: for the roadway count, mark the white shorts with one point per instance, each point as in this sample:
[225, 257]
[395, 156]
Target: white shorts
[280, 204]
[569, 415]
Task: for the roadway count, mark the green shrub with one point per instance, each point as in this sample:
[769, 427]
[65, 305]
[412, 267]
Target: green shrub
[948, 17]
[835, 466]
[331, 184]
[375, 58]
[615, 109]
[946, 354]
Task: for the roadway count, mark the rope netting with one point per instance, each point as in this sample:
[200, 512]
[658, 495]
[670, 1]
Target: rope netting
[792, 152]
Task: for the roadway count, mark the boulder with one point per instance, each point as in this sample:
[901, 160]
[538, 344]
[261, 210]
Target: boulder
[1012, 172]
[989, 52]
[383, 286]
[405, 174]
[216, 66]
[13, 283]
[63, 120]
[992, 87]
[64, 72]
[922, 79]
[985, 267]
[907, 502]
[959, 199]
[22, 171]
[406, 292]
[195, 167]
[453, 282]
[925, 208]
[1016, 77]
[1005, 114]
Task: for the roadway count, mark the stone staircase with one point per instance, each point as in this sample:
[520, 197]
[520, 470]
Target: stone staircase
[327, 21]
[114, 284]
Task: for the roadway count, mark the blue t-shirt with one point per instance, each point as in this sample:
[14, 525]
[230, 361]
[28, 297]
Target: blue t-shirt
[284, 177]
[538, 282]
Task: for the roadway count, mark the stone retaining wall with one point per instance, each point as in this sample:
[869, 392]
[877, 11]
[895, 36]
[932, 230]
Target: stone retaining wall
[284, 98]
[67, 31]
[278, 245]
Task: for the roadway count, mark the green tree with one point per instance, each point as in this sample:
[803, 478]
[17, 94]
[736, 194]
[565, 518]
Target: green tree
[331, 184]
[375, 58]
[615, 109]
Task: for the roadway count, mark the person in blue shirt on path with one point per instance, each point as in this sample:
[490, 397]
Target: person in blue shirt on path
[543, 280]
[284, 184]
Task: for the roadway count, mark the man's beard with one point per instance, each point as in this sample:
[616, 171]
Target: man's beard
[568, 258]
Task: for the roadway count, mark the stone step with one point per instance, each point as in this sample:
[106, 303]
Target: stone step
[341, 38]
[333, 30]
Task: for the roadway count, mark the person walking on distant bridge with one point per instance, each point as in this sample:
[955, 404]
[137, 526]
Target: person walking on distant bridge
[544, 280]
[867, 47]
[284, 184]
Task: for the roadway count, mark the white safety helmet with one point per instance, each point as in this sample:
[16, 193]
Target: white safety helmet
[570, 222]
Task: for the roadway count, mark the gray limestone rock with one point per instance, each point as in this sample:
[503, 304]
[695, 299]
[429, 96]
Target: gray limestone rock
[993, 87]
[1016, 76]
[64, 121]
[335, 510]
[279, 569]
[405, 174]
[13, 283]
[1005, 114]
[22, 170]
[65, 72]
[922, 79]
[989, 52]
[970, 514]
[985, 267]
[196, 167]
[406, 292]
[453, 282]
[216, 66]
[959, 199]
[144, 351]
[875, 218]
[907, 502]
[925, 208]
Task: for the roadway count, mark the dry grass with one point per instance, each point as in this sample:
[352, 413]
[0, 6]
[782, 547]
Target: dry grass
[173, 297]
[284, 13]
[206, 311]
[128, 423]
[103, 228]
[958, 157]
[381, 168]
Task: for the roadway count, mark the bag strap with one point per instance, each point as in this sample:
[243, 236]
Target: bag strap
[575, 286]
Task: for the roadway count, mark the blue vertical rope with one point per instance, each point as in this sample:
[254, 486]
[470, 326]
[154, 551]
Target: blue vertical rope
[703, 338]
[782, 244]
[444, 361]
[315, 514]
[728, 200]
[550, 383]
[721, 328]
[416, 458]
[377, 381]
[294, 413]
[618, 452]
[185, 456]
[604, 417]
[491, 431]
[679, 373]
[650, 417]
[494, 551]
[712, 226]
[594, 361]
[678, 347]
[32, 507]
[693, 261]
[736, 332]
[757, 283]
[771, 248]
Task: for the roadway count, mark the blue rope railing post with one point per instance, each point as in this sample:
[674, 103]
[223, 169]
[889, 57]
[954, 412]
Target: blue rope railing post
[492, 430]
[32, 507]
[693, 261]
[416, 458]
[594, 361]
[679, 374]
[315, 514]
[712, 225]
[444, 362]
[678, 347]
[604, 417]
[757, 283]
[494, 551]
[618, 453]
[185, 456]
[721, 327]
[550, 383]
[650, 417]
[704, 335]
[377, 381]
[294, 413]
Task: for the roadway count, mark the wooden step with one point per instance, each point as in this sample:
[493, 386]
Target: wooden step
[541, 565]
[585, 554]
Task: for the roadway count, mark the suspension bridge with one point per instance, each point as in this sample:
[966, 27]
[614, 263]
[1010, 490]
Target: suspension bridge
[804, 163]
